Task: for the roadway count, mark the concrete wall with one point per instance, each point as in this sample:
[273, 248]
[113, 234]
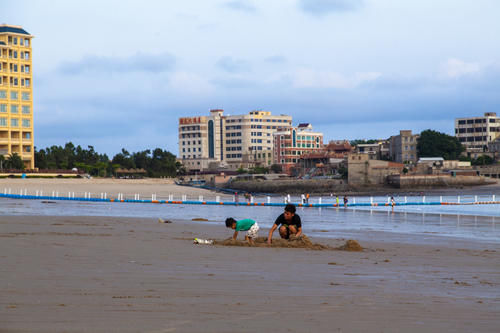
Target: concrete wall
[364, 171]
[412, 181]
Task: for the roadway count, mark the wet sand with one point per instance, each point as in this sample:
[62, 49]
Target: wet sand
[92, 274]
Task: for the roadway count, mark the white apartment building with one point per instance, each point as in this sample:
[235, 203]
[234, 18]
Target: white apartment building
[219, 140]
[476, 133]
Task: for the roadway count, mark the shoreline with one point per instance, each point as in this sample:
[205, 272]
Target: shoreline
[107, 274]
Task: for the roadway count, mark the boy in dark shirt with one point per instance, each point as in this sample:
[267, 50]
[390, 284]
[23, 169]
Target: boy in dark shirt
[290, 224]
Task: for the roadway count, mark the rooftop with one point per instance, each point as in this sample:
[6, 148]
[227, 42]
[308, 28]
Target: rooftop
[4, 28]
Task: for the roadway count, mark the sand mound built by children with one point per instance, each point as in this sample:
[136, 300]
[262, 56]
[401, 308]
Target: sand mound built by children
[302, 242]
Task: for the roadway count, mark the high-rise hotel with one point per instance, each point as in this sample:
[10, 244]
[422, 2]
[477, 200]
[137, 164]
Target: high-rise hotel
[16, 94]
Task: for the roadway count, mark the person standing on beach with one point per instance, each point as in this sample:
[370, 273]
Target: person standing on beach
[290, 224]
[345, 201]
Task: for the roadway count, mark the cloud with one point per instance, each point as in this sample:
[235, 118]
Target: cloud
[232, 65]
[277, 59]
[308, 78]
[455, 68]
[240, 5]
[324, 7]
[102, 64]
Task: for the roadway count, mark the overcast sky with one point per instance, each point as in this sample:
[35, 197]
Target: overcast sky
[119, 74]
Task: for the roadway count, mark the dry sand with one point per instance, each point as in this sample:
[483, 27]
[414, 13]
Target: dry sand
[91, 274]
[128, 187]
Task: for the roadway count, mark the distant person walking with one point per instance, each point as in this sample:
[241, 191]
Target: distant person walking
[345, 201]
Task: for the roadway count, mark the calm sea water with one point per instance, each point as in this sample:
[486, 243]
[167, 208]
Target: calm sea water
[472, 222]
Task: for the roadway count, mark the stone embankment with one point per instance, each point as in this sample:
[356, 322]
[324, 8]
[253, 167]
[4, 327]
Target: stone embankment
[421, 181]
[326, 186]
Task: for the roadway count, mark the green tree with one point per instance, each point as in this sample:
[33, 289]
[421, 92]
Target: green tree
[259, 170]
[276, 168]
[436, 144]
[483, 160]
[343, 172]
[241, 171]
[362, 141]
[14, 161]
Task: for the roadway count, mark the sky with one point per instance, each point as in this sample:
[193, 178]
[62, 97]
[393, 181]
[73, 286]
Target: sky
[119, 74]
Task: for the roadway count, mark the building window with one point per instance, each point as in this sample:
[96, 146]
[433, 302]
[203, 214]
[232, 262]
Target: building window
[27, 69]
[3, 94]
[25, 96]
[211, 142]
[26, 42]
[3, 121]
[14, 109]
[14, 122]
[3, 107]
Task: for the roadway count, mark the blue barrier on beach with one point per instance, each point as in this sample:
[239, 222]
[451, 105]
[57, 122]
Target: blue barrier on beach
[232, 203]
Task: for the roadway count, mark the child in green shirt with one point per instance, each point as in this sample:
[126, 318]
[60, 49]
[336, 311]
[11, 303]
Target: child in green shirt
[248, 225]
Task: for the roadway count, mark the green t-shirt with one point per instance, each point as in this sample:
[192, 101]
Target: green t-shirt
[245, 224]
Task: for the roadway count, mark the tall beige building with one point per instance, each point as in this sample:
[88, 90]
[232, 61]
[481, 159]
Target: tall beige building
[219, 140]
[403, 147]
[16, 94]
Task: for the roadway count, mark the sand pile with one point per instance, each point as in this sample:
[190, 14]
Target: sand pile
[297, 242]
[302, 242]
[351, 245]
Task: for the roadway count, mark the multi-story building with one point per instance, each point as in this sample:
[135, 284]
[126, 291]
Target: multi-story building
[16, 94]
[290, 144]
[476, 133]
[378, 150]
[245, 141]
[403, 147]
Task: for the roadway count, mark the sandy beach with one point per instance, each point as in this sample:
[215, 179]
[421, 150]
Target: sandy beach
[110, 186]
[93, 274]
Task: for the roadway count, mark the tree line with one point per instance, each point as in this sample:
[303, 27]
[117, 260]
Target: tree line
[156, 163]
